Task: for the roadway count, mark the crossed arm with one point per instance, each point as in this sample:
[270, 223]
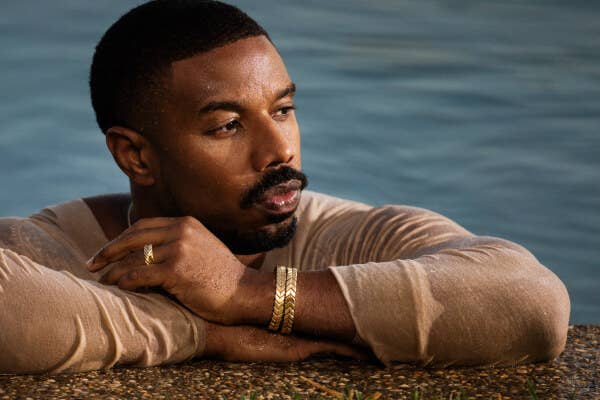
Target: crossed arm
[425, 290]
[410, 285]
[200, 271]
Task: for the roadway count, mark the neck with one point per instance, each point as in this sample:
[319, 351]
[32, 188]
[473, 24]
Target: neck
[110, 212]
[146, 208]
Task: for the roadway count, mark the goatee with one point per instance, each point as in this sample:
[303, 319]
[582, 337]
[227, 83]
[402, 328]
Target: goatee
[279, 232]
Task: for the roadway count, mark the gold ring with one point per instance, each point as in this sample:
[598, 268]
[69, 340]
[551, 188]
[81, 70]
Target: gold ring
[148, 254]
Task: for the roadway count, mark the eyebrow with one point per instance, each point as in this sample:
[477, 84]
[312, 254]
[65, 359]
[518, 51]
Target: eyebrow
[234, 106]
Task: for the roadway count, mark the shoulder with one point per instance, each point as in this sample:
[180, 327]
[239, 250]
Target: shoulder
[83, 211]
[51, 232]
[87, 221]
[331, 217]
[315, 204]
[103, 202]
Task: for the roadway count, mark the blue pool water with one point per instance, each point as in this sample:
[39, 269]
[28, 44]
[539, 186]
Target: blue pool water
[487, 112]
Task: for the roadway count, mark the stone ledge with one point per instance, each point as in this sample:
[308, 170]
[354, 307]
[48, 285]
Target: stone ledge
[574, 374]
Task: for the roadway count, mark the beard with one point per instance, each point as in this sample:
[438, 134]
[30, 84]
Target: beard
[281, 228]
[260, 240]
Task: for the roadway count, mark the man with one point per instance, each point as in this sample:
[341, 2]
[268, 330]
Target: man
[217, 252]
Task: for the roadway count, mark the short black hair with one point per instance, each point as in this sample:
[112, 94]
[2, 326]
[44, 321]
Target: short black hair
[137, 51]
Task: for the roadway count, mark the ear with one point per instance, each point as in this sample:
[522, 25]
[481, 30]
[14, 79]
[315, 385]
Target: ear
[132, 153]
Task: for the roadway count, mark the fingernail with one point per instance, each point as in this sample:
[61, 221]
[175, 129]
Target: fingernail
[90, 262]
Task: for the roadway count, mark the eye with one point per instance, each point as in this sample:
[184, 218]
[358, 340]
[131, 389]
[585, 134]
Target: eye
[228, 128]
[283, 112]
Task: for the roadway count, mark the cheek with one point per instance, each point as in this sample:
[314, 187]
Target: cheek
[207, 170]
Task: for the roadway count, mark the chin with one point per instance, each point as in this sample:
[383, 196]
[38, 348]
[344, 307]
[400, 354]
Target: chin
[278, 233]
[277, 219]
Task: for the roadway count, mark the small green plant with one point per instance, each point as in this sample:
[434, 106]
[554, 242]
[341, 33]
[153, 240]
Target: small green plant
[531, 389]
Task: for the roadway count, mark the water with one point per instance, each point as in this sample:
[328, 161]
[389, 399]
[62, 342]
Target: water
[487, 112]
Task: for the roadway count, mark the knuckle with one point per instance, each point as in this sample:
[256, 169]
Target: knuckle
[188, 220]
[185, 227]
[180, 229]
[169, 283]
[179, 247]
[133, 276]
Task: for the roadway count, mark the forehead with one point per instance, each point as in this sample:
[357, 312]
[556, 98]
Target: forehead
[245, 68]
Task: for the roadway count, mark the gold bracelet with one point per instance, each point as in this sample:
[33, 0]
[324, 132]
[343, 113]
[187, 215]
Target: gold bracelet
[279, 299]
[290, 300]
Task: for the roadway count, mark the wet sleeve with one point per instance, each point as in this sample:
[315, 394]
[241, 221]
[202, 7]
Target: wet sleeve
[55, 321]
[421, 289]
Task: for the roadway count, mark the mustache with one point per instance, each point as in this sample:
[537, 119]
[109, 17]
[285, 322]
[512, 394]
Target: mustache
[270, 179]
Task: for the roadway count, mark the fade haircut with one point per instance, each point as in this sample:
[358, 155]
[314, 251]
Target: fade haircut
[134, 56]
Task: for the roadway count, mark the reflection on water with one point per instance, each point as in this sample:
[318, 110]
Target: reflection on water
[487, 113]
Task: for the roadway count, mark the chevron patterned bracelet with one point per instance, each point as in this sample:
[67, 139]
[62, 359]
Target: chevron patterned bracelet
[278, 303]
[290, 300]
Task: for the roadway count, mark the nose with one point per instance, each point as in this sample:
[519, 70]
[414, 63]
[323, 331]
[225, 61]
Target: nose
[273, 145]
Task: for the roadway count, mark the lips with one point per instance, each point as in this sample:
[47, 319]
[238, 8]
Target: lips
[280, 199]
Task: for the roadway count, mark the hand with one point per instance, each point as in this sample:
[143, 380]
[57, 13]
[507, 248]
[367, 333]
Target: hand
[246, 343]
[189, 262]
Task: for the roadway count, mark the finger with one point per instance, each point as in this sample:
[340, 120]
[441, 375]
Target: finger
[129, 242]
[348, 351]
[131, 261]
[146, 276]
[157, 222]
[305, 348]
[315, 347]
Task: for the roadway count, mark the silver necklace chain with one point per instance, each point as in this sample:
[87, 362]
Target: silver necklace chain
[129, 214]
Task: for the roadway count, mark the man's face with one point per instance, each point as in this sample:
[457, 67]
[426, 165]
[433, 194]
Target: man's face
[228, 149]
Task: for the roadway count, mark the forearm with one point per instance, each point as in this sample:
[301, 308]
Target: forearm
[78, 325]
[421, 288]
[321, 309]
[486, 302]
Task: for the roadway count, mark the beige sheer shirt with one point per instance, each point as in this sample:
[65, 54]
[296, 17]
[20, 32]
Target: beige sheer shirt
[420, 288]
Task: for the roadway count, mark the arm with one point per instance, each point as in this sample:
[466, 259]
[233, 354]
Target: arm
[55, 322]
[321, 309]
[432, 292]
[417, 286]
[74, 325]
[249, 343]
[56, 318]
[477, 301]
